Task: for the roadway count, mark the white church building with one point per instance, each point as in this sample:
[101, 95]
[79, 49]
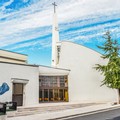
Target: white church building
[71, 77]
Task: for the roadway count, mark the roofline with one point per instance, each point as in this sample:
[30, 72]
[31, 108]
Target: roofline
[14, 52]
[54, 67]
[30, 65]
[13, 59]
[82, 46]
[34, 65]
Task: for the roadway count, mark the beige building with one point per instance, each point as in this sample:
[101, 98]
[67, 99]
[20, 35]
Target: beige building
[12, 57]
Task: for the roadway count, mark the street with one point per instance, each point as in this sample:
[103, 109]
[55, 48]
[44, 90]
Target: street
[106, 115]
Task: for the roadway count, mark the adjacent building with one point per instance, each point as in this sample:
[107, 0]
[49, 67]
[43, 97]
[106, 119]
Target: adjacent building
[12, 57]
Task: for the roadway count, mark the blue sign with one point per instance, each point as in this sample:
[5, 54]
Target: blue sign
[4, 88]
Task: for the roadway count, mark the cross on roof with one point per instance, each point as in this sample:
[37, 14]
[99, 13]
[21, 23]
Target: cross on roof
[54, 4]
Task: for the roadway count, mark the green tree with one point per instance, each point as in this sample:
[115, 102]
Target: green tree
[111, 70]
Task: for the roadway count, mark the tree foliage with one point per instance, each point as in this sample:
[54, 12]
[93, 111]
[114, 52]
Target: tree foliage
[111, 70]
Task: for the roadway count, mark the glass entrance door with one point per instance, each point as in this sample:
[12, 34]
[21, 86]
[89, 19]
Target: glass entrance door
[53, 88]
[48, 95]
[51, 98]
[56, 95]
[61, 94]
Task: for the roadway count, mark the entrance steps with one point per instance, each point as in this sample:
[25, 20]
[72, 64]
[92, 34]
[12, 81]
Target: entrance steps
[24, 111]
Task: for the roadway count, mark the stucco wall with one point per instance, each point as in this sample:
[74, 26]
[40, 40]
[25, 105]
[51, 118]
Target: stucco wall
[51, 71]
[31, 73]
[84, 81]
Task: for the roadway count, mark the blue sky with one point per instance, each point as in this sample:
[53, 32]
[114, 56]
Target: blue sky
[26, 25]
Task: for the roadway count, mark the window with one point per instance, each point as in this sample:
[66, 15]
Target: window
[53, 81]
[58, 52]
[62, 81]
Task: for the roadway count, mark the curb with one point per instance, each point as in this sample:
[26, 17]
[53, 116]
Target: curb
[88, 113]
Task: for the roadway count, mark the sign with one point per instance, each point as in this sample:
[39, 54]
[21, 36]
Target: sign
[4, 88]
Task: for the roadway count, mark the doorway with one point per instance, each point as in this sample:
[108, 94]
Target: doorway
[18, 93]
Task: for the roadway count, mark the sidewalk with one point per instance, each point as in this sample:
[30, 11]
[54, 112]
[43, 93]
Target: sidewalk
[67, 112]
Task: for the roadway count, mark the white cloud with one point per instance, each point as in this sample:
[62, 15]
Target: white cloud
[6, 4]
[25, 1]
[18, 24]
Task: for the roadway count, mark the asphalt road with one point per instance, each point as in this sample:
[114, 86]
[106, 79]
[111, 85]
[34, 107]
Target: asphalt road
[106, 115]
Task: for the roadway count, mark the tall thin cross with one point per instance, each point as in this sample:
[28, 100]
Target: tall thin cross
[54, 4]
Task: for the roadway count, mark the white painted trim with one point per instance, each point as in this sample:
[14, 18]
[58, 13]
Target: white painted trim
[24, 82]
[24, 94]
[16, 80]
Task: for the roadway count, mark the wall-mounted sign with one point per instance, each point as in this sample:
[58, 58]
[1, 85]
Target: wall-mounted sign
[4, 88]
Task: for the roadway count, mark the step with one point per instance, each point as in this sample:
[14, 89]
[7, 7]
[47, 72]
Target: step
[49, 107]
[44, 109]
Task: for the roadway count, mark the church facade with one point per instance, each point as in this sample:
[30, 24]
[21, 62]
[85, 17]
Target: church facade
[71, 77]
[84, 81]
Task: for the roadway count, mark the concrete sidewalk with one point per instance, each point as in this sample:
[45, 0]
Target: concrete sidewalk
[67, 112]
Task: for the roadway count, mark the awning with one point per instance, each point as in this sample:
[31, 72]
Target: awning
[18, 80]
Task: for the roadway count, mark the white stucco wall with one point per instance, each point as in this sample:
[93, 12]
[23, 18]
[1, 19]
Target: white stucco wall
[31, 73]
[51, 71]
[84, 81]
[55, 39]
